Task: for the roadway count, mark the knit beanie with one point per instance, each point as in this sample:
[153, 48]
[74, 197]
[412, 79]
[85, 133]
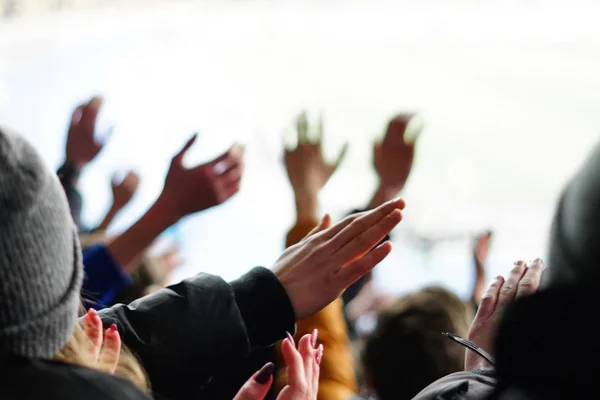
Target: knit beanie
[40, 258]
[575, 234]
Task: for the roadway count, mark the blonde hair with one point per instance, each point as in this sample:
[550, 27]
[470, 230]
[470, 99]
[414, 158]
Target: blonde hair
[77, 351]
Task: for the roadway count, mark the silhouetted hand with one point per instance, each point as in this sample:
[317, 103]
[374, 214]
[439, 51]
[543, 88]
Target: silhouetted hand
[189, 190]
[316, 271]
[307, 170]
[523, 280]
[393, 157]
[82, 147]
[302, 370]
[123, 191]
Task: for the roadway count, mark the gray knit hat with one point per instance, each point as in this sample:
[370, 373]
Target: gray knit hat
[40, 258]
[575, 234]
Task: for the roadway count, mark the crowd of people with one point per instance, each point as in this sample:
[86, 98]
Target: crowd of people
[85, 315]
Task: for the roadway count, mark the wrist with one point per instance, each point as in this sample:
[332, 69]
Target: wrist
[307, 206]
[164, 212]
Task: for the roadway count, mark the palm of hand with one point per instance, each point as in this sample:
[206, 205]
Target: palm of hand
[82, 146]
[393, 157]
[124, 191]
[306, 168]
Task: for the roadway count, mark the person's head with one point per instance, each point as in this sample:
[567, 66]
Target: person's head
[407, 350]
[575, 234]
[40, 259]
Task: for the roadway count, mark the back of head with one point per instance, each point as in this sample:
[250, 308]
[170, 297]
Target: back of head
[575, 234]
[407, 350]
[40, 259]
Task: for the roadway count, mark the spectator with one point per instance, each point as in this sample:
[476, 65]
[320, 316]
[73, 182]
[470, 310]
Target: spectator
[407, 351]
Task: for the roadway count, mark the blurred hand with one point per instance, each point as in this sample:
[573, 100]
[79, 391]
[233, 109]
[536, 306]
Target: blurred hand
[82, 146]
[480, 255]
[189, 190]
[523, 280]
[123, 191]
[307, 170]
[302, 370]
[316, 271]
[106, 357]
[368, 299]
[393, 157]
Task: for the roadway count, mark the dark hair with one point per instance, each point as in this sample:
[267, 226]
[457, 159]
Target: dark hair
[407, 350]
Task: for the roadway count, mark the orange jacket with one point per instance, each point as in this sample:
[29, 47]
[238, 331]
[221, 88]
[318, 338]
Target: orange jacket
[337, 380]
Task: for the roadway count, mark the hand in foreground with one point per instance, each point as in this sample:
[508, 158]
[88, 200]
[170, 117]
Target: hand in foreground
[105, 357]
[393, 158]
[307, 170]
[315, 271]
[523, 280]
[302, 371]
[189, 190]
[82, 147]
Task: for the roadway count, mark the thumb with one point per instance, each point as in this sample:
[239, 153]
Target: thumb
[179, 156]
[257, 387]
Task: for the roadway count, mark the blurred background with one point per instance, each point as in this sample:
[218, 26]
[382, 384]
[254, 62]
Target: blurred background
[507, 91]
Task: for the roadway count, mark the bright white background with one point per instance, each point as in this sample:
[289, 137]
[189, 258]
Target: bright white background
[509, 93]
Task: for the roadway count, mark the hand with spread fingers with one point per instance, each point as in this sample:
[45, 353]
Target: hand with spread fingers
[393, 159]
[315, 271]
[522, 280]
[307, 170]
[123, 191]
[189, 190]
[82, 146]
[302, 371]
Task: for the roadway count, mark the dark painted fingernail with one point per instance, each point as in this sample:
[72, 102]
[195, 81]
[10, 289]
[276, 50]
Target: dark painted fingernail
[313, 338]
[291, 339]
[265, 373]
[319, 354]
[113, 327]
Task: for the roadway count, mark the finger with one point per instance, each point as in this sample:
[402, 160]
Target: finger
[349, 274]
[364, 241]
[223, 162]
[90, 113]
[92, 326]
[530, 282]
[257, 387]
[109, 356]
[490, 298]
[295, 366]
[302, 128]
[325, 223]
[509, 288]
[179, 156]
[233, 173]
[76, 115]
[308, 353]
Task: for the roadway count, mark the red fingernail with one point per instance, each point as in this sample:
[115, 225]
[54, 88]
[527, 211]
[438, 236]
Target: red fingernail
[313, 338]
[113, 327]
[291, 339]
[319, 354]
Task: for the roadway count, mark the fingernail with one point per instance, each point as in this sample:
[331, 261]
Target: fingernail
[291, 339]
[113, 328]
[265, 373]
[313, 338]
[91, 311]
[319, 354]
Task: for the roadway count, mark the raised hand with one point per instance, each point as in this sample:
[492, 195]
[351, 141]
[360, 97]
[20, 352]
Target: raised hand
[124, 190]
[189, 190]
[523, 280]
[105, 357]
[480, 255]
[393, 158]
[315, 271]
[302, 371]
[307, 170]
[82, 147]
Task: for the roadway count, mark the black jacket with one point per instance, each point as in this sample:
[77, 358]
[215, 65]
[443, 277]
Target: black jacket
[199, 339]
[203, 337]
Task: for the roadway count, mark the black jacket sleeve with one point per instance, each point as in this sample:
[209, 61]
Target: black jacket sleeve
[68, 175]
[189, 332]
